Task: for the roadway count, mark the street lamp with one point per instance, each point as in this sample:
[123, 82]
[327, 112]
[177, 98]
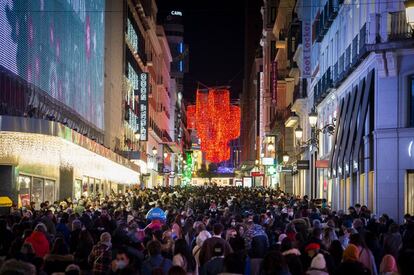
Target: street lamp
[270, 146]
[137, 135]
[154, 151]
[313, 118]
[298, 133]
[409, 12]
[285, 157]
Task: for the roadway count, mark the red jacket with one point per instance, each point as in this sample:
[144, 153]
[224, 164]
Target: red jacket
[39, 243]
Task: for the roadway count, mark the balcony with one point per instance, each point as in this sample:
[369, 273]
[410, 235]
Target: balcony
[322, 88]
[300, 91]
[399, 29]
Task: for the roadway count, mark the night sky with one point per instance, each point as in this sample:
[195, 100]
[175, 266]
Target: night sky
[214, 32]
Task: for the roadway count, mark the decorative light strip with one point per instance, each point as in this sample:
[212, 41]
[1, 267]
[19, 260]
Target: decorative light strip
[50, 152]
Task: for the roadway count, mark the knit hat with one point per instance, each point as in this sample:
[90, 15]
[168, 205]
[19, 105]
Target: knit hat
[388, 264]
[351, 253]
[105, 237]
[312, 246]
[318, 262]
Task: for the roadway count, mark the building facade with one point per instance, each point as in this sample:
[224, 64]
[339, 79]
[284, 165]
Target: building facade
[360, 81]
[93, 132]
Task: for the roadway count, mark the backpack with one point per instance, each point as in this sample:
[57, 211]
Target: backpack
[158, 270]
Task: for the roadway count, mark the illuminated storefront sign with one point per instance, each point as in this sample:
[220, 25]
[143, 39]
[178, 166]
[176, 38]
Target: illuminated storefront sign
[143, 105]
[307, 45]
[178, 13]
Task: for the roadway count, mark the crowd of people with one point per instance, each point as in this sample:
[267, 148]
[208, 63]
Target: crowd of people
[202, 231]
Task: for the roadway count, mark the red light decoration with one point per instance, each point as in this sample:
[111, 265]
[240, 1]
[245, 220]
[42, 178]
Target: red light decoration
[216, 121]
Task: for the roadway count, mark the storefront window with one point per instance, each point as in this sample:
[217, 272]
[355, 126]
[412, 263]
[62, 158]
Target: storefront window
[37, 191]
[77, 189]
[91, 186]
[85, 186]
[49, 191]
[23, 189]
[409, 197]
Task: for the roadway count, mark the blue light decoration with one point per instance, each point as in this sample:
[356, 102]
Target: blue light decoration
[181, 52]
[58, 47]
[156, 214]
[225, 170]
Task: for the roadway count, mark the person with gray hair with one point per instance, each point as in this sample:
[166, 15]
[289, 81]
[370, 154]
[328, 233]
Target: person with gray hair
[101, 255]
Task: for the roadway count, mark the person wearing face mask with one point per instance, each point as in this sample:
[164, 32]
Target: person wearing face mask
[123, 263]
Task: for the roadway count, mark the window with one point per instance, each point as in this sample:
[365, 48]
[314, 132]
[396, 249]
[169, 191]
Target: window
[411, 100]
[77, 189]
[35, 189]
[409, 193]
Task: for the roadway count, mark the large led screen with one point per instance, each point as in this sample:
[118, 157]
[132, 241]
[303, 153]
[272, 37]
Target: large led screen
[57, 45]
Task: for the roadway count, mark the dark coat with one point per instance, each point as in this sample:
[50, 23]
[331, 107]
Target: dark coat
[213, 266]
[206, 252]
[354, 268]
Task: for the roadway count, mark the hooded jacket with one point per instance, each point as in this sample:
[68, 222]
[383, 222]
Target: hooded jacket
[39, 243]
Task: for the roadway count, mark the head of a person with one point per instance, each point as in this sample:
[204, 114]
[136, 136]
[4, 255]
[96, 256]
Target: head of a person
[357, 240]
[317, 233]
[181, 247]
[312, 249]
[358, 224]
[15, 267]
[105, 237]
[286, 245]
[72, 269]
[154, 248]
[274, 263]
[394, 228]
[104, 212]
[202, 236]
[59, 247]
[318, 262]
[27, 249]
[41, 227]
[351, 253]
[388, 264]
[122, 259]
[218, 229]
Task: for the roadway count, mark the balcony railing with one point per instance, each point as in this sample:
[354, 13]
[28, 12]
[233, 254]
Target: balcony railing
[399, 28]
[300, 90]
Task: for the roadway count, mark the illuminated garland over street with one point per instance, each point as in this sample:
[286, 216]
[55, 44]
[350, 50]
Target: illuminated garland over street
[216, 121]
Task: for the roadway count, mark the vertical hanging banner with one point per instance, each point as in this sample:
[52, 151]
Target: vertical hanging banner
[306, 41]
[143, 105]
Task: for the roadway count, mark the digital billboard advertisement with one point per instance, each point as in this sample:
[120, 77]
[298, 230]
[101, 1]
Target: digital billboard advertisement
[58, 46]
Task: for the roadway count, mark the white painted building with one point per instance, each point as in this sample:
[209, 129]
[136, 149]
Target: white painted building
[363, 76]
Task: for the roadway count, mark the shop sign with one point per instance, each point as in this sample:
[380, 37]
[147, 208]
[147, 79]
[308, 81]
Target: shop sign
[307, 45]
[257, 174]
[143, 105]
[302, 165]
[268, 161]
[322, 164]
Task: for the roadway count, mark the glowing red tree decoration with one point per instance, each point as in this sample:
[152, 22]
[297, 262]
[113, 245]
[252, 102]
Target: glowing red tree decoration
[216, 121]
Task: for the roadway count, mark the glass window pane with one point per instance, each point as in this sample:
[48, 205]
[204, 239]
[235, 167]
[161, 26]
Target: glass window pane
[37, 191]
[91, 186]
[77, 189]
[49, 191]
[23, 189]
[85, 186]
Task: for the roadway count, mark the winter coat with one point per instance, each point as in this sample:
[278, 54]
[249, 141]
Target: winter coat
[39, 243]
[352, 268]
[57, 263]
[292, 257]
[392, 244]
[316, 272]
[206, 252]
[101, 258]
[367, 259]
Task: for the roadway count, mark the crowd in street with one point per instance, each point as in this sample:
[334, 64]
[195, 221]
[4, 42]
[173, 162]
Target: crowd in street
[202, 231]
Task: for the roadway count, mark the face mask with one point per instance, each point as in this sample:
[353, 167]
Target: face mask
[121, 264]
[233, 224]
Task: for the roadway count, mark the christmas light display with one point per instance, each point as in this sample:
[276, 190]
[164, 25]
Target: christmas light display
[216, 121]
